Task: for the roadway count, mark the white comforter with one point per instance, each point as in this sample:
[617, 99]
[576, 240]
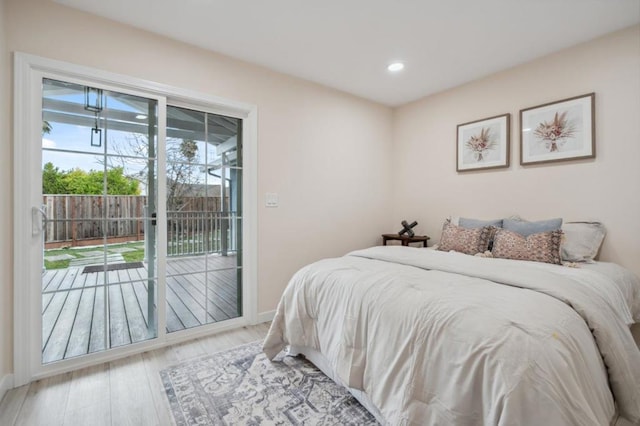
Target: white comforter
[438, 338]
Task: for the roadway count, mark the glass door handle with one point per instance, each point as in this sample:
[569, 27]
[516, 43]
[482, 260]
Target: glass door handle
[38, 220]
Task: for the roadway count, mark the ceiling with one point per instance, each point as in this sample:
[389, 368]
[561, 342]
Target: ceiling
[347, 44]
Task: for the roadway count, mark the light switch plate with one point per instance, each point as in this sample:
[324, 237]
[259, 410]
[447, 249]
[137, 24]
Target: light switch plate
[271, 199]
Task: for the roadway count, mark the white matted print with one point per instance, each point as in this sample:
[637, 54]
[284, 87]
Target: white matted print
[558, 131]
[483, 144]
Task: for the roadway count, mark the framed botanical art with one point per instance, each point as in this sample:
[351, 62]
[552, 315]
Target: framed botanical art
[558, 131]
[483, 144]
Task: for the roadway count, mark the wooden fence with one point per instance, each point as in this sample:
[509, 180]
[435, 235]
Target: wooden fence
[81, 220]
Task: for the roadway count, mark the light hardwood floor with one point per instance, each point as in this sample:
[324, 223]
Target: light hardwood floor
[128, 391]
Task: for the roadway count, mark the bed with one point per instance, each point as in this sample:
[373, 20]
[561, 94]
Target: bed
[427, 337]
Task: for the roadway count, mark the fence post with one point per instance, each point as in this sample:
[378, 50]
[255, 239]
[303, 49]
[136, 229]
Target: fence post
[74, 231]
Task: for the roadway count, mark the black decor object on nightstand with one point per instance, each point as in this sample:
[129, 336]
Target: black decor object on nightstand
[406, 228]
[406, 235]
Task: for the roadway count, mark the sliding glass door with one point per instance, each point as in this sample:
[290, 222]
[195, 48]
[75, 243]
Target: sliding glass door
[109, 185]
[98, 215]
[204, 218]
[128, 209]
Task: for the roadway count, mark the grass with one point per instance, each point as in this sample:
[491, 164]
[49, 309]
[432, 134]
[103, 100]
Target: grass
[132, 256]
[56, 264]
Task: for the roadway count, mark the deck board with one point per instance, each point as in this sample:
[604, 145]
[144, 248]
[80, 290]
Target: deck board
[191, 285]
[81, 332]
[54, 281]
[218, 295]
[135, 319]
[140, 291]
[69, 278]
[46, 300]
[227, 282]
[50, 316]
[57, 343]
[222, 292]
[173, 321]
[73, 303]
[118, 326]
[190, 298]
[98, 320]
[187, 317]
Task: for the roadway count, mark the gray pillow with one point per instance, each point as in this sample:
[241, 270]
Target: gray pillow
[475, 223]
[526, 228]
[582, 241]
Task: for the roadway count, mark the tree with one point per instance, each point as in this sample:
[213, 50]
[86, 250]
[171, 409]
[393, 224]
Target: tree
[52, 180]
[117, 182]
[78, 181]
[182, 176]
[183, 172]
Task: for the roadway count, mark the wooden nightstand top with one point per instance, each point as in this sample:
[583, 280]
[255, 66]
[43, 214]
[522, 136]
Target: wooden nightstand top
[405, 239]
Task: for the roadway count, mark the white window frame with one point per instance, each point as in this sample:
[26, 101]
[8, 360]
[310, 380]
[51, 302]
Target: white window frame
[28, 73]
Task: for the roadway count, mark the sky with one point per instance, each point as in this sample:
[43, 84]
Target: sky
[69, 137]
[116, 144]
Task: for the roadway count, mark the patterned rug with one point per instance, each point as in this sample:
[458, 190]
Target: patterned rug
[242, 387]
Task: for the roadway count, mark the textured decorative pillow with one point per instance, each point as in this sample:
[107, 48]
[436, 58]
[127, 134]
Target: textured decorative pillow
[468, 241]
[540, 247]
[476, 223]
[582, 241]
[525, 228]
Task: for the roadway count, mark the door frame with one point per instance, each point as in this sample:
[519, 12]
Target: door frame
[27, 137]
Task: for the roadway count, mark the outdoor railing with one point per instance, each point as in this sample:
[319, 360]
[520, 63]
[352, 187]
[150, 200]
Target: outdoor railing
[197, 232]
[79, 220]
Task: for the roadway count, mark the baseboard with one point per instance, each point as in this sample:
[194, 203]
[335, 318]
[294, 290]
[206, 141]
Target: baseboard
[5, 384]
[266, 316]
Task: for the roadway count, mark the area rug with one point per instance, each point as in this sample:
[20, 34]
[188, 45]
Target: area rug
[242, 387]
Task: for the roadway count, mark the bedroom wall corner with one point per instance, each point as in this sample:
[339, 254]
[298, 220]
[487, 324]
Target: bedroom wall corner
[605, 188]
[6, 193]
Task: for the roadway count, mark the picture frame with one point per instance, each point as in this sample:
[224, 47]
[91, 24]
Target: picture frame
[558, 131]
[484, 144]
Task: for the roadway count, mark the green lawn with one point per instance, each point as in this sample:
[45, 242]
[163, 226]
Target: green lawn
[131, 256]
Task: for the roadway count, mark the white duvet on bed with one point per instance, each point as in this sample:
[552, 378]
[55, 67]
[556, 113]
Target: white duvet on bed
[443, 338]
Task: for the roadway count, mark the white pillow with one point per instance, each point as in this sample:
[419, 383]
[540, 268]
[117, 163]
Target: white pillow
[582, 241]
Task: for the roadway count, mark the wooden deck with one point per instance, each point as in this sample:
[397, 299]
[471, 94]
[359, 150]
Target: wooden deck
[80, 314]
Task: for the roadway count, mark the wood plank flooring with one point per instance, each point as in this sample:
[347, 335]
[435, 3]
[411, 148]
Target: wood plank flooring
[123, 392]
[80, 314]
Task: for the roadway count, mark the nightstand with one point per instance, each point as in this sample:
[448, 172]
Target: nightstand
[405, 239]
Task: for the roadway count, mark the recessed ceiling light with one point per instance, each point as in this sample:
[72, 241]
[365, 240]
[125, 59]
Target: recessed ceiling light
[141, 116]
[396, 66]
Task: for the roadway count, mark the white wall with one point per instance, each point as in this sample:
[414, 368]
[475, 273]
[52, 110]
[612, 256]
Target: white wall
[428, 189]
[6, 258]
[320, 149]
